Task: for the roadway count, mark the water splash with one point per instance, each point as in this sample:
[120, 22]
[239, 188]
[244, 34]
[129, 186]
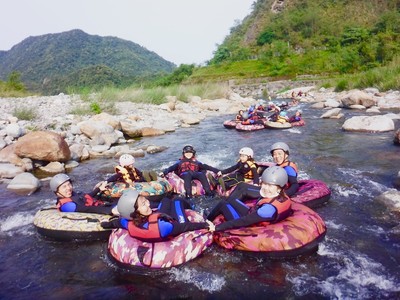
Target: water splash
[202, 280]
[17, 223]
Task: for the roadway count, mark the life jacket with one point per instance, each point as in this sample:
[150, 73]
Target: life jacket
[282, 120]
[86, 199]
[249, 173]
[128, 174]
[149, 234]
[283, 205]
[290, 164]
[186, 165]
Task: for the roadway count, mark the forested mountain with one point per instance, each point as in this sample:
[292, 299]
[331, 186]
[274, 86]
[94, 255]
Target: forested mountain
[290, 37]
[69, 56]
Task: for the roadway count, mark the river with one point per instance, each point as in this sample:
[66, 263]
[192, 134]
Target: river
[358, 259]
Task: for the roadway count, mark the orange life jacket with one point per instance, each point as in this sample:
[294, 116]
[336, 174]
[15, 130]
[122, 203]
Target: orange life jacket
[249, 174]
[151, 234]
[282, 204]
[128, 174]
[187, 165]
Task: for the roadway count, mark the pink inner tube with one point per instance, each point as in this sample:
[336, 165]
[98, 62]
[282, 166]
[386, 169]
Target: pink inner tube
[312, 192]
[300, 233]
[230, 124]
[178, 185]
[241, 127]
[129, 252]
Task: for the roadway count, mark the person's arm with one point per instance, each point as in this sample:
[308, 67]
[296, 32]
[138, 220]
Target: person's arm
[179, 228]
[115, 177]
[207, 167]
[172, 168]
[231, 168]
[263, 214]
[292, 180]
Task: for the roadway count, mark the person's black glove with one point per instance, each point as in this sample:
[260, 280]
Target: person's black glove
[113, 223]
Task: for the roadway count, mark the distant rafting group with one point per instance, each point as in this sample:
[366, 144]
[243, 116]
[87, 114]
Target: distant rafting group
[266, 115]
[150, 219]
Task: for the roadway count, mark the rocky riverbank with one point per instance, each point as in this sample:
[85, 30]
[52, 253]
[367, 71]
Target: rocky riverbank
[56, 139]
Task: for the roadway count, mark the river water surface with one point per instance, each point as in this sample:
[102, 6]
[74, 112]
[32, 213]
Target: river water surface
[358, 259]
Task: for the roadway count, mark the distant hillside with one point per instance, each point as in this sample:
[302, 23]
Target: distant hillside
[285, 38]
[53, 57]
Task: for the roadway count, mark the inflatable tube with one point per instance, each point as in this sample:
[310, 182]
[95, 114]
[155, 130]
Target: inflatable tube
[299, 123]
[312, 193]
[253, 127]
[154, 190]
[129, 252]
[50, 222]
[230, 124]
[298, 234]
[277, 125]
[177, 185]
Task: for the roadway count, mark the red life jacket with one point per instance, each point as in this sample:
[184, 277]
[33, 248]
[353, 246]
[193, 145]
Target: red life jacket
[187, 165]
[87, 200]
[151, 234]
[283, 207]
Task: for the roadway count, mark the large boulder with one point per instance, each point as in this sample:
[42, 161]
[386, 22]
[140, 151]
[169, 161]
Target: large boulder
[369, 124]
[43, 145]
[24, 183]
[356, 97]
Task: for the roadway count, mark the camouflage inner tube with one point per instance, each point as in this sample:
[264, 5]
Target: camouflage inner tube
[230, 124]
[129, 252]
[312, 193]
[50, 222]
[253, 127]
[298, 234]
[155, 189]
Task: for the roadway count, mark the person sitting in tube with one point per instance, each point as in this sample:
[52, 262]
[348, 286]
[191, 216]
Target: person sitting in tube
[70, 201]
[272, 206]
[169, 220]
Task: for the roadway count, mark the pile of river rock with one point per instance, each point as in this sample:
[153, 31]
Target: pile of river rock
[57, 140]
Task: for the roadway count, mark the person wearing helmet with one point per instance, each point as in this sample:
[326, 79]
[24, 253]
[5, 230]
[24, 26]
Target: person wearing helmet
[189, 168]
[284, 105]
[296, 117]
[143, 223]
[70, 201]
[272, 206]
[245, 170]
[280, 156]
[239, 116]
[128, 173]
[282, 117]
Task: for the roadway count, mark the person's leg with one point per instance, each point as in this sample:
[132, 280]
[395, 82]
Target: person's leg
[204, 182]
[187, 183]
[244, 191]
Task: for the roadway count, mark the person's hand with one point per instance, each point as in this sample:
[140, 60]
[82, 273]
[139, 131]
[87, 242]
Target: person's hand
[161, 174]
[102, 185]
[211, 226]
[115, 211]
[219, 174]
[113, 223]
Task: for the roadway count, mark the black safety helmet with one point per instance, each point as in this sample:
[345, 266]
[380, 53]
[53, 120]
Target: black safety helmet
[188, 149]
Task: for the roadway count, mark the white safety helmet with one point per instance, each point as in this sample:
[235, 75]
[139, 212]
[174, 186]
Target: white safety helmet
[280, 145]
[275, 175]
[126, 160]
[247, 151]
[58, 180]
[126, 203]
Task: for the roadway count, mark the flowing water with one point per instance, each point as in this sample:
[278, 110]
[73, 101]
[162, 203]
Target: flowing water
[358, 259]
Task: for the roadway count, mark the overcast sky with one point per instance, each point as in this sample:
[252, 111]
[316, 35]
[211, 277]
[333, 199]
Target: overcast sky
[180, 31]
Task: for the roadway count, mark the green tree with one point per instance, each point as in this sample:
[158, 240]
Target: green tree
[14, 82]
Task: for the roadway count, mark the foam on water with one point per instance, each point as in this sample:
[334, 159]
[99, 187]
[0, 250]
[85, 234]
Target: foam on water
[17, 223]
[352, 276]
[294, 130]
[202, 280]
